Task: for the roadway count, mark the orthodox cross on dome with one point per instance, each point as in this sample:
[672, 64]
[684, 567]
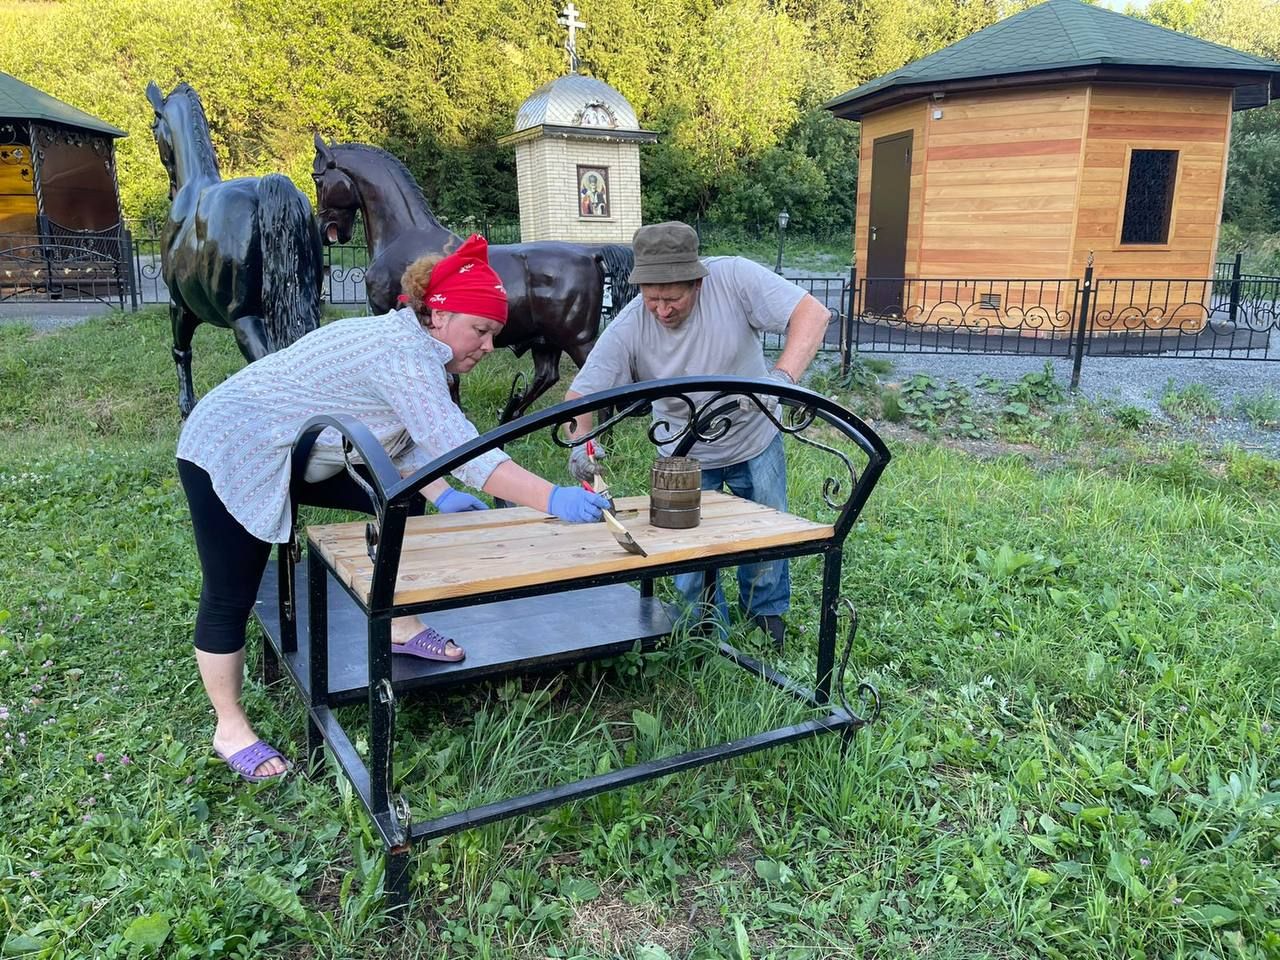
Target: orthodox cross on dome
[569, 18]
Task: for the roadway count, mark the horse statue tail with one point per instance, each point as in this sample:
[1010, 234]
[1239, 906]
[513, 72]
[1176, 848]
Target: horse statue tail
[618, 261]
[292, 261]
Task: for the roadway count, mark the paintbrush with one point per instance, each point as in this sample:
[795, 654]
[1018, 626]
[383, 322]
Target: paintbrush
[620, 533]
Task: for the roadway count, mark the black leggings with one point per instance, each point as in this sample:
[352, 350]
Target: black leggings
[232, 559]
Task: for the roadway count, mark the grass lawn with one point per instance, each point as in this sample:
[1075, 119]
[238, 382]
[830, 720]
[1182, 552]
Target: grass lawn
[1077, 638]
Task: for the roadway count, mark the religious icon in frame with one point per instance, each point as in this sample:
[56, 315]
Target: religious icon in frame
[593, 191]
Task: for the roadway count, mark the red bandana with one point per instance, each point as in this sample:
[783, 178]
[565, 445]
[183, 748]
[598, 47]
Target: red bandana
[463, 282]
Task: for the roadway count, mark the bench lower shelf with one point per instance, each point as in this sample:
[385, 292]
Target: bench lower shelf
[504, 638]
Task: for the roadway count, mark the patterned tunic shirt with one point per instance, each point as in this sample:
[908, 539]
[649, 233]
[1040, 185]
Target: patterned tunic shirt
[388, 372]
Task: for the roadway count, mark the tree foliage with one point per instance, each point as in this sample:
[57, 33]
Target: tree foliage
[735, 87]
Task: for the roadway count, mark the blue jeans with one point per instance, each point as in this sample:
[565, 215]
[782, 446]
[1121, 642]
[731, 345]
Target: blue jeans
[764, 589]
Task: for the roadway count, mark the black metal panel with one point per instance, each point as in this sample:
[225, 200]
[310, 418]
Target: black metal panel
[501, 639]
[638, 773]
[1237, 318]
[1230, 316]
[966, 315]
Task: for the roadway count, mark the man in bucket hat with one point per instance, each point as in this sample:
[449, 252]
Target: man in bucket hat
[705, 317]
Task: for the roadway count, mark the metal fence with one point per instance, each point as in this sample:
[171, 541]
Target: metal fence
[1230, 316]
[67, 265]
[344, 263]
[1236, 318]
[833, 292]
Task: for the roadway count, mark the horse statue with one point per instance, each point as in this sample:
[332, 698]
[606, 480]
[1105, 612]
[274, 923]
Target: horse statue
[243, 253]
[555, 290]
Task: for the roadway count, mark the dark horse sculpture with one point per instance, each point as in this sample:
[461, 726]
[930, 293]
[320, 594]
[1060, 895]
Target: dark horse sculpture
[243, 253]
[556, 290]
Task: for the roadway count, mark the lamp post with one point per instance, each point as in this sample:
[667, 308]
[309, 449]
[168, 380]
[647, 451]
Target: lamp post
[783, 219]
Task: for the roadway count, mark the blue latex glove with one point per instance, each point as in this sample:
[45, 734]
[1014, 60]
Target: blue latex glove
[577, 505]
[455, 501]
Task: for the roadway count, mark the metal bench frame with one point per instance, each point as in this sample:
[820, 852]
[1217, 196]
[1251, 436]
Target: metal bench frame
[708, 400]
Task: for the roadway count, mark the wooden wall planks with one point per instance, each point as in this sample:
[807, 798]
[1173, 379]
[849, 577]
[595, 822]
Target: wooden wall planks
[1026, 182]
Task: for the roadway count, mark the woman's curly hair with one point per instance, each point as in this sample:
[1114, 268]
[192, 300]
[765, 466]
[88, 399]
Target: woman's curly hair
[414, 282]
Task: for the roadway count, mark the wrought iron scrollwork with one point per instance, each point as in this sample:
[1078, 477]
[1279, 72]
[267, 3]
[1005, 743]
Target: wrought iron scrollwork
[371, 529]
[559, 431]
[17, 155]
[519, 383]
[46, 137]
[867, 693]
[1235, 317]
[87, 266]
[710, 419]
[342, 277]
[398, 812]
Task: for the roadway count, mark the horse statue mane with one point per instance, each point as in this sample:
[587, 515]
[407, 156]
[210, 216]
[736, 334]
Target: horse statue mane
[201, 138]
[555, 290]
[243, 254]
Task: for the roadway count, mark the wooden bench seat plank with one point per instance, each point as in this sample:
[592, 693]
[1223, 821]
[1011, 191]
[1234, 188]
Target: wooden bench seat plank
[340, 537]
[449, 556]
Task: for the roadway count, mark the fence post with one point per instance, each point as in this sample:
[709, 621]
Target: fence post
[44, 237]
[1082, 322]
[132, 254]
[846, 345]
[1233, 301]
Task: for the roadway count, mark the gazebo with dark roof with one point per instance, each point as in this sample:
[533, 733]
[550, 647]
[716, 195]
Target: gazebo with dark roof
[59, 200]
[1061, 131]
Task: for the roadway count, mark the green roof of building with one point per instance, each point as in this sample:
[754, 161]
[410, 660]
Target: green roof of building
[1061, 35]
[21, 101]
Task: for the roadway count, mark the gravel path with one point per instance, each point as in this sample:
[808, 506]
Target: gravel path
[1124, 381]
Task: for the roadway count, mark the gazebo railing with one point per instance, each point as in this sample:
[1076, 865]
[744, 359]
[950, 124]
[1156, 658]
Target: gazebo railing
[60, 264]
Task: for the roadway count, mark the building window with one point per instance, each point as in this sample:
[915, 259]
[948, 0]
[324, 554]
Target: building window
[1148, 201]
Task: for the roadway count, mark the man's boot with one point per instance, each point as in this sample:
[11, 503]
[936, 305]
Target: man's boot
[774, 628]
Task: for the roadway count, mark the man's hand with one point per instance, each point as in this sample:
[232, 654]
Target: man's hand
[580, 467]
[771, 402]
[455, 501]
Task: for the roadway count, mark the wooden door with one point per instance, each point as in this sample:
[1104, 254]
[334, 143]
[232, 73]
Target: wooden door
[887, 231]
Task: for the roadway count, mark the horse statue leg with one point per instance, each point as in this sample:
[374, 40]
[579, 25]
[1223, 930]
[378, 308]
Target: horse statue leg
[251, 337]
[546, 371]
[183, 323]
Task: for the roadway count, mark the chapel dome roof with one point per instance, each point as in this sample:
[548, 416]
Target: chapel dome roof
[575, 100]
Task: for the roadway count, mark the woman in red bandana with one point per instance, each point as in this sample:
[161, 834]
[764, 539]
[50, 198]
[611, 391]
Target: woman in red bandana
[389, 372]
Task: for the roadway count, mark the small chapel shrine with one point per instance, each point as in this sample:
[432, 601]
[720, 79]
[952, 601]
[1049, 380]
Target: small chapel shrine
[577, 143]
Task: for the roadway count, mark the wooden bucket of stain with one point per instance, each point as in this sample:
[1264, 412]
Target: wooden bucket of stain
[675, 493]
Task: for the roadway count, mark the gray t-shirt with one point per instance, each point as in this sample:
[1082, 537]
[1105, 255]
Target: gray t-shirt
[738, 302]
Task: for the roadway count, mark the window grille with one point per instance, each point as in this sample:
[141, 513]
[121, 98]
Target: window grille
[1149, 198]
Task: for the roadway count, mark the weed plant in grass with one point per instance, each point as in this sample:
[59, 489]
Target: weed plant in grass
[1194, 401]
[1078, 755]
[1261, 409]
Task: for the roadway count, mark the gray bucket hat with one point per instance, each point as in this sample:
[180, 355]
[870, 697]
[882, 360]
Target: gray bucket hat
[666, 253]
